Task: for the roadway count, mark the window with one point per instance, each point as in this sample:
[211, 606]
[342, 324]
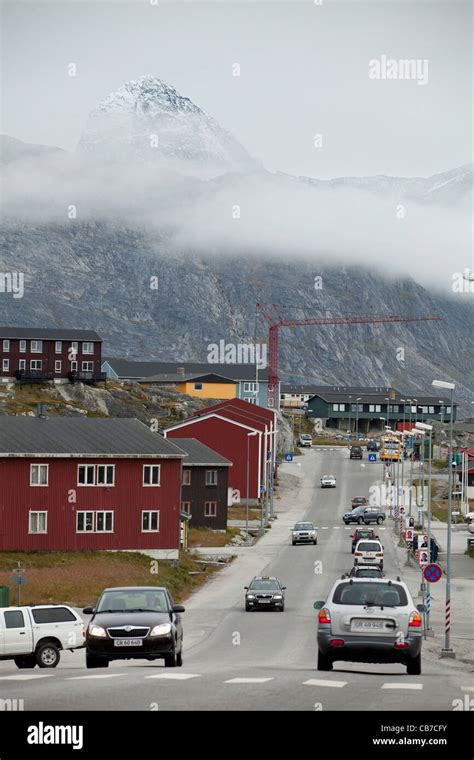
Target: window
[371, 407]
[211, 477]
[378, 408]
[36, 364]
[150, 521]
[424, 410]
[57, 366]
[5, 365]
[186, 507]
[38, 522]
[74, 347]
[357, 407]
[210, 508]
[105, 474]
[85, 522]
[39, 474]
[22, 346]
[413, 409]
[53, 615]
[448, 410]
[250, 387]
[87, 348]
[395, 408]
[87, 366]
[186, 479]
[431, 409]
[85, 474]
[375, 593]
[251, 400]
[22, 364]
[151, 474]
[74, 366]
[198, 386]
[14, 619]
[36, 346]
[104, 522]
[58, 347]
[335, 407]
[6, 345]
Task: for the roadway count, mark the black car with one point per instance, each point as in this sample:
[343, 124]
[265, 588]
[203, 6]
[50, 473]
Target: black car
[364, 516]
[366, 571]
[134, 622]
[359, 533]
[373, 446]
[356, 452]
[265, 593]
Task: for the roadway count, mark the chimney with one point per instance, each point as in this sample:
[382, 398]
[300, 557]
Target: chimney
[180, 370]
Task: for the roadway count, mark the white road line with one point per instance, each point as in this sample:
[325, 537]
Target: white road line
[248, 680]
[331, 684]
[382, 528]
[336, 527]
[95, 676]
[175, 676]
[467, 688]
[325, 528]
[347, 527]
[26, 677]
[402, 686]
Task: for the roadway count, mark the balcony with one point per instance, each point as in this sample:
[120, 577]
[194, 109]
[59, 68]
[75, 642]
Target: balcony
[87, 377]
[33, 376]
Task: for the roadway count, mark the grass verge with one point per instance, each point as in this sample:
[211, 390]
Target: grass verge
[209, 537]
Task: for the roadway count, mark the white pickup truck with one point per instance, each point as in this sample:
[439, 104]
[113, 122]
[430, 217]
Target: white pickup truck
[35, 635]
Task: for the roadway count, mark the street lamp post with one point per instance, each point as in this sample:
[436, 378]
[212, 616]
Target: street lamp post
[429, 429]
[249, 435]
[357, 416]
[350, 413]
[448, 651]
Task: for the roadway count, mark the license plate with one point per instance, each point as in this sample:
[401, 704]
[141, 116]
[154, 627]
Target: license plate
[264, 601]
[128, 642]
[367, 625]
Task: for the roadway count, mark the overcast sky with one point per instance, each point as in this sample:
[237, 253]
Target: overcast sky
[304, 71]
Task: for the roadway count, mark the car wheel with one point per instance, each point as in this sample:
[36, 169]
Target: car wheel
[360, 520]
[248, 608]
[379, 520]
[293, 543]
[179, 657]
[96, 662]
[25, 662]
[47, 655]
[346, 522]
[414, 665]
[171, 660]
[324, 661]
[315, 542]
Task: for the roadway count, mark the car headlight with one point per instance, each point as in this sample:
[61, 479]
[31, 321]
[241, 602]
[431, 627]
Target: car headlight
[312, 533]
[278, 596]
[97, 630]
[161, 630]
[250, 596]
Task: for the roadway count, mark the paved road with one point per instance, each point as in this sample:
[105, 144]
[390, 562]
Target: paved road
[262, 660]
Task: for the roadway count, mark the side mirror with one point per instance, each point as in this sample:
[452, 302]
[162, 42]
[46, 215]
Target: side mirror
[283, 588]
[88, 610]
[178, 608]
[246, 588]
[421, 607]
[318, 605]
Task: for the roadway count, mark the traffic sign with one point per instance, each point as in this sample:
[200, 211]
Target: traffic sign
[19, 580]
[19, 570]
[432, 573]
[372, 457]
[349, 438]
[288, 456]
[305, 408]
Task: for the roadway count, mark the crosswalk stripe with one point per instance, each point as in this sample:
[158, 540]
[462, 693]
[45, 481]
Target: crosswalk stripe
[467, 688]
[248, 680]
[95, 676]
[402, 686]
[331, 684]
[175, 676]
[25, 677]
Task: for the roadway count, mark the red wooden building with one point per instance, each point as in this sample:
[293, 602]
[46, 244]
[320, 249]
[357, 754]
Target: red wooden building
[37, 354]
[70, 484]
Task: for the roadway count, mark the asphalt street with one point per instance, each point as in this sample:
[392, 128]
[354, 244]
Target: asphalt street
[237, 660]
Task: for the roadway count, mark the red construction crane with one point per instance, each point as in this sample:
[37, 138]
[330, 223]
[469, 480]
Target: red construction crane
[276, 323]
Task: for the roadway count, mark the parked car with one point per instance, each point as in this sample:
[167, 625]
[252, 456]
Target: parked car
[368, 553]
[304, 532]
[359, 501]
[362, 533]
[36, 635]
[305, 440]
[369, 620]
[469, 518]
[328, 481]
[134, 622]
[366, 571]
[364, 516]
[356, 452]
[264, 592]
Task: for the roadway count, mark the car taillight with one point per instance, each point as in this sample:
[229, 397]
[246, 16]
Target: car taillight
[379, 554]
[336, 642]
[324, 615]
[415, 620]
[401, 645]
[358, 554]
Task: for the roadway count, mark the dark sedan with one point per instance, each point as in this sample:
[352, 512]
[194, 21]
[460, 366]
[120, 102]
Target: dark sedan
[368, 533]
[265, 593]
[134, 622]
[364, 516]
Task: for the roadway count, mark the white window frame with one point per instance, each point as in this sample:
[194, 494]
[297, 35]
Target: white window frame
[39, 466]
[150, 467]
[85, 512]
[371, 408]
[74, 365]
[5, 365]
[22, 364]
[198, 386]
[58, 347]
[35, 362]
[34, 346]
[186, 470]
[88, 343]
[335, 407]
[6, 344]
[431, 409]
[378, 407]
[58, 365]
[150, 512]
[37, 513]
[105, 466]
[87, 366]
[96, 517]
[216, 477]
[250, 387]
[215, 508]
[22, 347]
[87, 468]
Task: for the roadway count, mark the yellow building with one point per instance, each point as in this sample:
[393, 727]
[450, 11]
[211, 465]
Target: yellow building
[201, 386]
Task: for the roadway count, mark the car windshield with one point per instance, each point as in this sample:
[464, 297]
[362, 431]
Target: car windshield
[370, 594]
[359, 499]
[264, 585]
[304, 526]
[134, 600]
[363, 534]
[368, 546]
[328, 477]
[369, 573]
[358, 510]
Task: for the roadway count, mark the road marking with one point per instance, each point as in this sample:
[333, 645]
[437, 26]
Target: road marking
[331, 684]
[175, 676]
[467, 688]
[248, 680]
[382, 529]
[347, 527]
[26, 677]
[325, 528]
[336, 527]
[96, 675]
[402, 686]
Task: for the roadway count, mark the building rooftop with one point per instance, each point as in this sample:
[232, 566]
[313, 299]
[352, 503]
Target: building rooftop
[210, 377]
[46, 333]
[138, 370]
[199, 454]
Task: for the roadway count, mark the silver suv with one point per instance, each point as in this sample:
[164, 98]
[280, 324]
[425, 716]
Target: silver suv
[370, 620]
[304, 532]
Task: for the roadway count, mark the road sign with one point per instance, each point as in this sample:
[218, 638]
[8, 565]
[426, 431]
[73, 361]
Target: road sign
[305, 407]
[288, 456]
[432, 573]
[19, 580]
[372, 457]
[349, 438]
[19, 570]
[269, 454]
